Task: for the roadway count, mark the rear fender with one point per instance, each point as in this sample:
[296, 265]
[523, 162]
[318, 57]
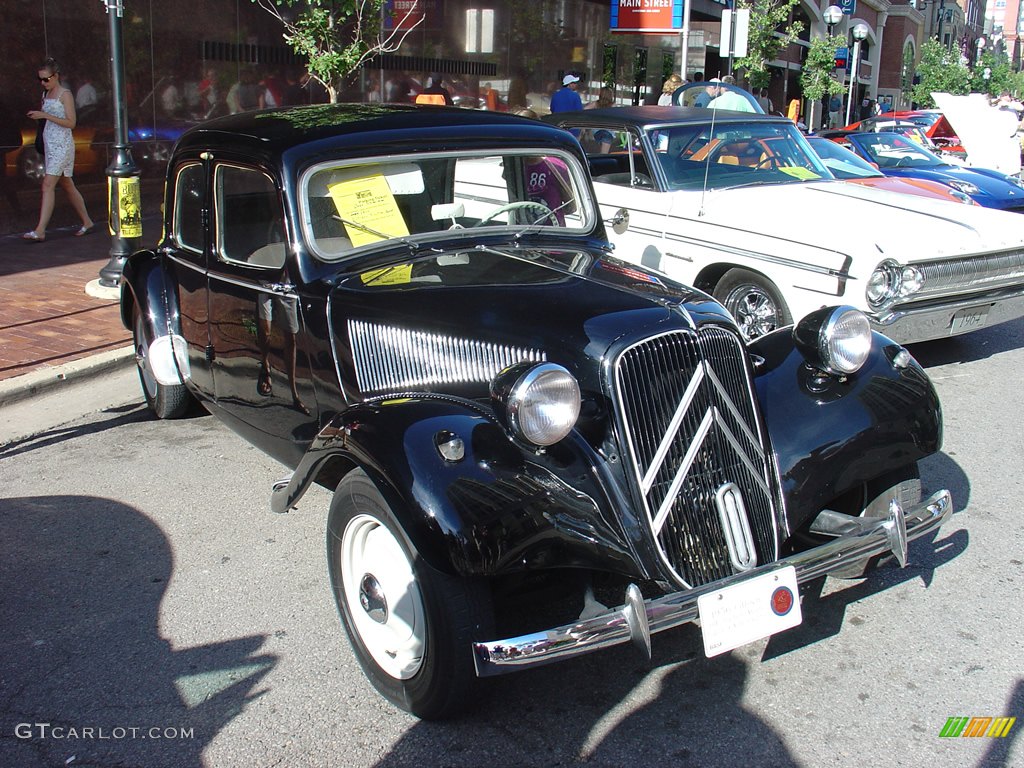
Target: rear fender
[502, 508]
[146, 285]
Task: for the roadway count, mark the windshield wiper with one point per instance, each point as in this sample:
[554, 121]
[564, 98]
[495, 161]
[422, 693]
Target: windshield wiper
[383, 236]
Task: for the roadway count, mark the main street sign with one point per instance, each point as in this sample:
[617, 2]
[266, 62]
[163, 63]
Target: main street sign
[654, 16]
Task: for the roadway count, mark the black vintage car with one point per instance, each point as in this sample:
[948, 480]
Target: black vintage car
[418, 308]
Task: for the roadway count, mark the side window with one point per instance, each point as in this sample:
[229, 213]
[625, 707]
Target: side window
[189, 191]
[250, 224]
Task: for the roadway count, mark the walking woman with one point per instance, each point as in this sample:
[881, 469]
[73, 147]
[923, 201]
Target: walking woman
[58, 110]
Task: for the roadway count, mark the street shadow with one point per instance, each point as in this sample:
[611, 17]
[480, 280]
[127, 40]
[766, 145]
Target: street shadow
[85, 674]
[119, 416]
[607, 710]
[970, 347]
[1000, 749]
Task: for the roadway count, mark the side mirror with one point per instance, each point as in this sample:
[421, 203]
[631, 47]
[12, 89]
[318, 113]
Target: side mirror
[619, 222]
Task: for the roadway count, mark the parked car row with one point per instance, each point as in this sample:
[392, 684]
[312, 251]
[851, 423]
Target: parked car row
[739, 205]
[539, 448]
[151, 148]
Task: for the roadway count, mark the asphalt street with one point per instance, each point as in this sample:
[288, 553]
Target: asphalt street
[156, 613]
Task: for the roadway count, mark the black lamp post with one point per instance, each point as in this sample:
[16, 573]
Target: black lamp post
[124, 197]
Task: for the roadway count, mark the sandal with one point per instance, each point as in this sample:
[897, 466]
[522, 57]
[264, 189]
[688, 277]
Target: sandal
[32, 237]
[263, 385]
[83, 231]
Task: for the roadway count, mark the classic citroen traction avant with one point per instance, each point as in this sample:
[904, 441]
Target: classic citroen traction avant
[418, 308]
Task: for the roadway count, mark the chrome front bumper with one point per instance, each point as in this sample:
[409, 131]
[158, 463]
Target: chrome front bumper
[638, 619]
[906, 325]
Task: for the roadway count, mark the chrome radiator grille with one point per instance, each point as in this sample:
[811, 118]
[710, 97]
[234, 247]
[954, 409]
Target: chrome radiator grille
[993, 270]
[687, 408]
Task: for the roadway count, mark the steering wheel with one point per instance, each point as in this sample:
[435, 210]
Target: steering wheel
[516, 206]
[767, 162]
[901, 161]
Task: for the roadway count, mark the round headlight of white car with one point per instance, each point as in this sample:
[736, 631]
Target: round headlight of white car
[542, 402]
[884, 284]
[834, 339]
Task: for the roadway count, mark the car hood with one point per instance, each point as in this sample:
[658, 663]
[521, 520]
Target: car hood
[990, 182]
[454, 318]
[988, 134]
[843, 218]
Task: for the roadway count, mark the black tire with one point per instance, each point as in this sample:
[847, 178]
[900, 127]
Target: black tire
[754, 301]
[382, 587]
[166, 401]
[904, 483]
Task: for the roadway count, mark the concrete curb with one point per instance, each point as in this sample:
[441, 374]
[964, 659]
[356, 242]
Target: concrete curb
[46, 379]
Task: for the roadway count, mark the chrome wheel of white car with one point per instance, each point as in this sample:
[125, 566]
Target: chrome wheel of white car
[753, 301]
[410, 625]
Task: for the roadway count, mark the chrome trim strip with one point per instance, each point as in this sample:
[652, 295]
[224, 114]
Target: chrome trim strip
[714, 245]
[613, 627]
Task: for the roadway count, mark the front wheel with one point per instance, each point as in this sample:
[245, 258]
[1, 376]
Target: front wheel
[409, 625]
[754, 301]
[903, 484]
[166, 401]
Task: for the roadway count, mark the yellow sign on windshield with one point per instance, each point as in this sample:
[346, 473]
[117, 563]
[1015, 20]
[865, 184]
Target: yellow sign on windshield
[368, 209]
[799, 172]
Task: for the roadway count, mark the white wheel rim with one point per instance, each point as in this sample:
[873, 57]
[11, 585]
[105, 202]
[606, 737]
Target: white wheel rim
[396, 636]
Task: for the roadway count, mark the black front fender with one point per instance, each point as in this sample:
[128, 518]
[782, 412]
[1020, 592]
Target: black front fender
[501, 509]
[829, 434]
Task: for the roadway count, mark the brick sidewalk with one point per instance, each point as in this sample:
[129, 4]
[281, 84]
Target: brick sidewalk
[46, 317]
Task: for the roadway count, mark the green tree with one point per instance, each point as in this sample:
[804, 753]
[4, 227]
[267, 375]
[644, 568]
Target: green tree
[999, 77]
[939, 70]
[817, 79]
[771, 30]
[337, 36]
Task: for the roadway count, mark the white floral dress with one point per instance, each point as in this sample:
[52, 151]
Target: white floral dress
[58, 140]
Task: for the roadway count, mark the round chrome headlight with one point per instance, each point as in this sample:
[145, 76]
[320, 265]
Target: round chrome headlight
[835, 339]
[542, 402]
[884, 284]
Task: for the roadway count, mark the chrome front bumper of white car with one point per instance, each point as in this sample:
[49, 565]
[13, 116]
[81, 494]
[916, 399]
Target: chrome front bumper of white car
[638, 619]
[951, 317]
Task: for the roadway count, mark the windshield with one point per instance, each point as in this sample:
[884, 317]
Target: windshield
[891, 150]
[843, 163]
[419, 199]
[731, 154]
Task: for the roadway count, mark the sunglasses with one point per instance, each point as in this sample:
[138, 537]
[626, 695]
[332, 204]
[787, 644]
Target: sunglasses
[45, 79]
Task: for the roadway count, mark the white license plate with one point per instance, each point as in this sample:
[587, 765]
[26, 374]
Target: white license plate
[969, 319]
[756, 608]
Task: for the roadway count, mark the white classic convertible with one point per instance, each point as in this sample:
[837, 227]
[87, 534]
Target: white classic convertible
[737, 204]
